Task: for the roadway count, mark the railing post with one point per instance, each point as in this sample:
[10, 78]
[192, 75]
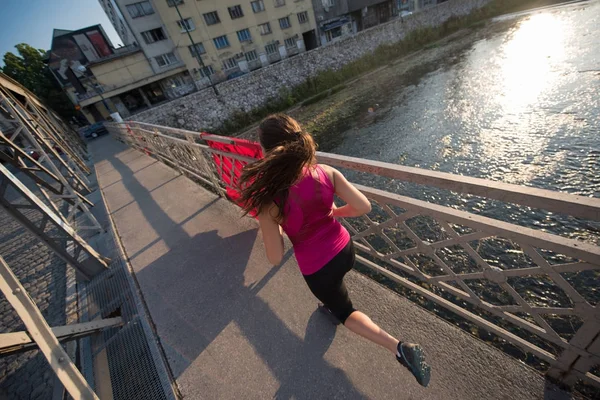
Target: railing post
[205, 165]
[570, 364]
[169, 151]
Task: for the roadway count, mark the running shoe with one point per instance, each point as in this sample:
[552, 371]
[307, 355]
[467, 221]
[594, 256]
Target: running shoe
[411, 356]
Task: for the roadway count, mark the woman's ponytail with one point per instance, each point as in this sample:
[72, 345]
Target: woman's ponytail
[288, 150]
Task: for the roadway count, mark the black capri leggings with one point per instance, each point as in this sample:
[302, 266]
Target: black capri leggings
[327, 284]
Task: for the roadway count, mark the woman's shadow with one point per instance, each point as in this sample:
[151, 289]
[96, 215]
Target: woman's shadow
[311, 376]
[200, 287]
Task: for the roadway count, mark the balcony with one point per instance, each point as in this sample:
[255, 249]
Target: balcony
[274, 57]
[254, 64]
[99, 90]
[117, 53]
[292, 51]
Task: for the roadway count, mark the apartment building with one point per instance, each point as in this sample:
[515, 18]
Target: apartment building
[337, 19]
[220, 39]
[150, 33]
[117, 20]
[101, 80]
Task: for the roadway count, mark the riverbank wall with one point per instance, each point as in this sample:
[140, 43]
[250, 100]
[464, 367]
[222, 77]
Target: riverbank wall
[204, 110]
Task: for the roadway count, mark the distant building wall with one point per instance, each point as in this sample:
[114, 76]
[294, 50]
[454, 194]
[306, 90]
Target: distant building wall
[118, 22]
[204, 110]
[122, 71]
[243, 46]
[142, 16]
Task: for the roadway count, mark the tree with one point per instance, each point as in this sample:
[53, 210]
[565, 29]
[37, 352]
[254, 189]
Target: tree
[28, 68]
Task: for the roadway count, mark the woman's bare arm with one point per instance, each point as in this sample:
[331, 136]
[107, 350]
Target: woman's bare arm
[272, 234]
[357, 203]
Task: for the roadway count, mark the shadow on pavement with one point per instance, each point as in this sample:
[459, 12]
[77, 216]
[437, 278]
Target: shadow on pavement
[200, 287]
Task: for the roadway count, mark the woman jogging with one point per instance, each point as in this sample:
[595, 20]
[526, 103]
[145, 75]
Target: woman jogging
[290, 191]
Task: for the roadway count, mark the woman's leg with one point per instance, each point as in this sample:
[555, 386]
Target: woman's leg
[362, 325]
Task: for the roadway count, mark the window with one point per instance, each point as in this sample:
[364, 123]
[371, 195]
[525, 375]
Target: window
[333, 33]
[230, 63]
[175, 82]
[153, 35]
[244, 35]
[257, 6]
[279, 3]
[290, 43]
[211, 18]
[328, 3]
[264, 29]
[172, 3]
[251, 56]
[221, 42]
[303, 17]
[271, 48]
[186, 25]
[166, 59]
[236, 12]
[140, 9]
[284, 23]
[207, 71]
[197, 50]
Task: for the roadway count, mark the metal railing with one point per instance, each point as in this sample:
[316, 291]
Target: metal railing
[439, 252]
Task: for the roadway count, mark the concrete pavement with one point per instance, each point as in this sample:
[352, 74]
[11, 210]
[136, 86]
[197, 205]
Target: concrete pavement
[232, 326]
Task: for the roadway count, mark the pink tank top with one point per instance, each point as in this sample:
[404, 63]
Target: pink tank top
[317, 237]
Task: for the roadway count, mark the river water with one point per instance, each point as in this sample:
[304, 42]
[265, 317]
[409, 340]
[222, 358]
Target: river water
[516, 101]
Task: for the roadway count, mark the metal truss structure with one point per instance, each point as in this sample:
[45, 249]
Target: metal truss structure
[37, 144]
[62, 180]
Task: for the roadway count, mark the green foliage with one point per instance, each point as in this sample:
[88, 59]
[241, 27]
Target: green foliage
[28, 68]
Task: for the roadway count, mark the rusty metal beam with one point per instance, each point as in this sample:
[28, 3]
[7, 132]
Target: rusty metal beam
[41, 333]
[64, 141]
[51, 229]
[35, 171]
[16, 342]
[72, 184]
[37, 140]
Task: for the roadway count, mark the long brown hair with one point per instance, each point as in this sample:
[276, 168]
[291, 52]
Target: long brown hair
[288, 149]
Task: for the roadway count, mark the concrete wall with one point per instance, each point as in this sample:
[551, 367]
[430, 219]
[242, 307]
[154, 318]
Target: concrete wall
[122, 71]
[203, 110]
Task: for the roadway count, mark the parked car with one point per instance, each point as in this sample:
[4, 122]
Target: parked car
[93, 131]
[405, 13]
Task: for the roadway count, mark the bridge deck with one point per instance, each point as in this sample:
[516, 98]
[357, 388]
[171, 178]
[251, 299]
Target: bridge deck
[232, 326]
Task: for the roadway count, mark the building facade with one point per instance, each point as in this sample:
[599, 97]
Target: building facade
[117, 20]
[150, 34]
[337, 19]
[101, 80]
[220, 40]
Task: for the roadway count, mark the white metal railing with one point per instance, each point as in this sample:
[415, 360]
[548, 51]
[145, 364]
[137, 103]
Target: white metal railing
[442, 266]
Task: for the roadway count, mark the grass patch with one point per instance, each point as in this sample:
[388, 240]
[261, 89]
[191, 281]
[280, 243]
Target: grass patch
[330, 81]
